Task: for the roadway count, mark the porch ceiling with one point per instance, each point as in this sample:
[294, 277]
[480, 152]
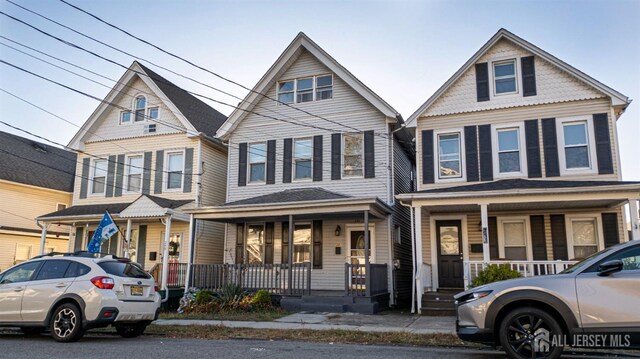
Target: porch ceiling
[527, 206]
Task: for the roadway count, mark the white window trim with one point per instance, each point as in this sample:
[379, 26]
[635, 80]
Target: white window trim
[527, 234]
[303, 223]
[61, 203]
[127, 170]
[293, 159]
[130, 118]
[314, 79]
[315, 87]
[343, 153]
[165, 175]
[148, 113]
[436, 152]
[264, 244]
[133, 108]
[591, 146]
[372, 240]
[569, 218]
[492, 80]
[278, 92]
[522, 150]
[249, 181]
[93, 172]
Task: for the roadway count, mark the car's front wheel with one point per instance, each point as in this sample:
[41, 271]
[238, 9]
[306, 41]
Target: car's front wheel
[66, 323]
[529, 332]
[131, 331]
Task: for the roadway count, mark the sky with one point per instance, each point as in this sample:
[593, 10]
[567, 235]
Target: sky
[403, 50]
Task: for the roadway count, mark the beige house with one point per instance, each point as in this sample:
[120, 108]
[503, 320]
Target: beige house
[34, 179]
[518, 163]
[146, 155]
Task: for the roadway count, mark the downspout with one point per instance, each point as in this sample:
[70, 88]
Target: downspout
[413, 258]
[43, 238]
[390, 222]
[165, 256]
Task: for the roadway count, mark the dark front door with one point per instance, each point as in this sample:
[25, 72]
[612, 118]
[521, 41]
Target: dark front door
[449, 238]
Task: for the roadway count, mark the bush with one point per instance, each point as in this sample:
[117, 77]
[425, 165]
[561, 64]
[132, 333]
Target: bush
[203, 297]
[262, 299]
[494, 273]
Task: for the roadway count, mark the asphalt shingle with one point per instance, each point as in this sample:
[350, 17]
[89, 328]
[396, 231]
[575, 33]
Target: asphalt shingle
[290, 195]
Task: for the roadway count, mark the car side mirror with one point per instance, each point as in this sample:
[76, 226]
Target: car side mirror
[609, 267]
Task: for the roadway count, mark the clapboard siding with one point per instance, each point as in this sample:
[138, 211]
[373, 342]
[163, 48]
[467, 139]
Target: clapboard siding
[213, 181]
[9, 243]
[209, 242]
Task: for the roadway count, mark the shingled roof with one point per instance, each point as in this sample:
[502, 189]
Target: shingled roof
[113, 208]
[290, 195]
[34, 163]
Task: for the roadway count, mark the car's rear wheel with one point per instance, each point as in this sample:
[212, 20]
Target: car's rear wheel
[131, 331]
[32, 331]
[529, 332]
[66, 323]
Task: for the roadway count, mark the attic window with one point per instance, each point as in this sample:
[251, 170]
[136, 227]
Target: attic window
[504, 75]
[307, 89]
[139, 108]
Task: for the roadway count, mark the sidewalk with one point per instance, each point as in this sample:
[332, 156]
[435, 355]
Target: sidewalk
[387, 322]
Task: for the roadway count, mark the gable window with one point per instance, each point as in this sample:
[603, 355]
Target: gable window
[99, 176]
[125, 117]
[324, 87]
[449, 160]
[353, 154]
[134, 173]
[153, 112]
[302, 156]
[175, 168]
[504, 77]
[139, 107]
[257, 162]
[304, 90]
[255, 243]
[285, 91]
[301, 243]
[576, 146]
[60, 206]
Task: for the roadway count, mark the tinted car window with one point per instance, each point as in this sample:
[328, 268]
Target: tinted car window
[630, 258]
[21, 273]
[124, 269]
[53, 269]
[76, 270]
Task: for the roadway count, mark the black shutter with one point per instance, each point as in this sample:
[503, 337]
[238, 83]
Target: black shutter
[471, 153]
[111, 174]
[188, 170]
[528, 76]
[427, 156]
[239, 243]
[286, 160]
[550, 143]
[142, 245]
[317, 158]
[532, 136]
[538, 238]
[77, 245]
[603, 143]
[242, 164]
[268, 242]
[610, 229]
[157, 184]
[559, 237]
[317, 244]
[494, 251]
[486, 159]
[369, 155]
[146, 172]
[84, 177]
[117, 190]
[285, 243]
[271, 161]
[336, 156]
[482, 81]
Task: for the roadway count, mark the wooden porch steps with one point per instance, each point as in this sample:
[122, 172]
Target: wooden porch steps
[335, 304]
[440, 303]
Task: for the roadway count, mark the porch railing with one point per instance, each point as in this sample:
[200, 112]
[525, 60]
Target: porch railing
[355, 280]
[273, 278]
[176, 275]
[526, 268]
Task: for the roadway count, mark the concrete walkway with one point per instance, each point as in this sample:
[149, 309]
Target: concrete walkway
[386, 322]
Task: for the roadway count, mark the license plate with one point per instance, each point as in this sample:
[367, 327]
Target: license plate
[136, 290]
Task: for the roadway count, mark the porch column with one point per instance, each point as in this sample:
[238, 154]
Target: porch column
[290, 264]
[484, 218]
[367, 264]
[635, 226]
[127, 241]
[192, 241]
[417, 270]
[165, 255]
[43, 238]
[413, 257]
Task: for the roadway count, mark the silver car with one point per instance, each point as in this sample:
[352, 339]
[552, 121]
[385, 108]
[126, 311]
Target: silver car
[595, 303]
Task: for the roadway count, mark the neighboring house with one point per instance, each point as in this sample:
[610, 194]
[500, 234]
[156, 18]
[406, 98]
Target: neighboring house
[519, 163]
[147, 153]
[34, 179]
[307, 174]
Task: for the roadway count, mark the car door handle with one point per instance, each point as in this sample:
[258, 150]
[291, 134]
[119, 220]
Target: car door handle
[18, 289]
[61, 285]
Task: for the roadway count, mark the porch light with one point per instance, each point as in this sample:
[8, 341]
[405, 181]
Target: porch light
[338, 230]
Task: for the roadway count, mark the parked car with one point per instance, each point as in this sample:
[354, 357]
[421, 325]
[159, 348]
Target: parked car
[535, 317]
[70, 293]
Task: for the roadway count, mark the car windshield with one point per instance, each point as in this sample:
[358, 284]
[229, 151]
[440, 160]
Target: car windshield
[124, 269]
[584, 262]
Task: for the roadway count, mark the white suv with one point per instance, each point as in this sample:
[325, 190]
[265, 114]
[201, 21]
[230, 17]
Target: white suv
[72, 292]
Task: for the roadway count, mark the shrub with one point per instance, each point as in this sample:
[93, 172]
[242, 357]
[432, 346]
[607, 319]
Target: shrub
[494, 273]
[262, 299]
[203, 297]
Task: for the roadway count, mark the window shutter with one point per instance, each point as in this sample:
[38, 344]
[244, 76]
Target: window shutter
[188, 170]
[142, 245]
[486, 159]
[242, 164]
[146, 172]
[528, 76]
[77, 244]
[239, 243]
[336, 156]
[317, 158]
[268, 242]
[494, 252]
[157, 184]
[111, 174]
[369, 155]
[471, 152]
[538, 238]
[610, 229]
[559, 237]
[317, 244]
[287, 159]
[117, 190]
[285, 243]
[603, 143]
[482, 81]
[532, 138]
[550, 143]
[84, 179]
[427, 156]
[271, 162]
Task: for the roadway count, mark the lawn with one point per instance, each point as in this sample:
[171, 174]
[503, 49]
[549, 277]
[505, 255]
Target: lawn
[258, 316]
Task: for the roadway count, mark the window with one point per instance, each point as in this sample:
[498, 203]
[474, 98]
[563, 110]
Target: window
[139, 107]
[352, 161]
[585, 238]
[449, 156]
[324, 87]
[76, 270]
[153, 112]
[134, 173]
[60, 206]
[255, 243]
[509, 150]
[175, 166]
[301, 243]
[53, 269]
[99, 177]
[285, 91]
[124, 269]
[125, 117]
[303, 150]
[630, 258]
[514, 239]
[304, 90]
[23, 253]
[576, 146]
[21, 273]
[504, 76]
[150, 128]
[257, 162]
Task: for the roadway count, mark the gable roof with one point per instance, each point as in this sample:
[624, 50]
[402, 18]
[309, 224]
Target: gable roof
[302, 41]
[617, 98]
[33, 163]
[291, 195]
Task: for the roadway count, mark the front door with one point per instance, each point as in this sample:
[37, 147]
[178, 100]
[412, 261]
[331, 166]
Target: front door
[449, 242]
[356, 256]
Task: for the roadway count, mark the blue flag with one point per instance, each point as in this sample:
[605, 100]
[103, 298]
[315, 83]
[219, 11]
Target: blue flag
[105, 230]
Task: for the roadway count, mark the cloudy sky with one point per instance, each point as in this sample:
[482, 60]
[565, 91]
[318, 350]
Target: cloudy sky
[403, 50]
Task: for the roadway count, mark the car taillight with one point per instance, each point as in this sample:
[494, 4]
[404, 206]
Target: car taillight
[155, 287]
[103, 282]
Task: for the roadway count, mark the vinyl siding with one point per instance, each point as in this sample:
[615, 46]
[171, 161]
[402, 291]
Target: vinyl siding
[209, 243]
[402, 248]
[213, 182]
[9, 243]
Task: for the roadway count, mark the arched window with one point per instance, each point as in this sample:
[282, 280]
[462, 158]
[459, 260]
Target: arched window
[139, 108]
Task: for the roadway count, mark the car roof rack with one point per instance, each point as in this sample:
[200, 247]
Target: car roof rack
[84, 254]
